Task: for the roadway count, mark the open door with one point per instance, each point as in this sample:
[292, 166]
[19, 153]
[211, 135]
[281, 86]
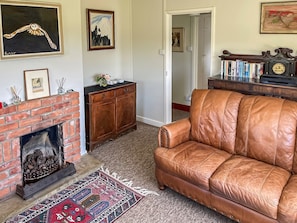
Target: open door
[190, 68]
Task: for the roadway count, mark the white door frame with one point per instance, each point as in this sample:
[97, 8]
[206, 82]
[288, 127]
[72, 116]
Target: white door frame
[168, 53]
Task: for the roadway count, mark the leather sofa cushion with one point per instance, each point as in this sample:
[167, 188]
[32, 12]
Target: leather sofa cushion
[266, 130]
[191, 161]
[287, 205]
[213, 116]
[251, 183]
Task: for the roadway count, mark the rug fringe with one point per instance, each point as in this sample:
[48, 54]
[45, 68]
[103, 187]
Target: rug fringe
[127, 182]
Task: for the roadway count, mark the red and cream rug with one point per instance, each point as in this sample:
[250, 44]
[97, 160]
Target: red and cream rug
[100, 197]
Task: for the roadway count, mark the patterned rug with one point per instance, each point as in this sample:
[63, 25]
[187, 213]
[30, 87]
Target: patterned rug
[100, 197]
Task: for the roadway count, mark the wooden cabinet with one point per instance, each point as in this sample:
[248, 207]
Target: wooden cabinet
[125, 105]
[109, 112]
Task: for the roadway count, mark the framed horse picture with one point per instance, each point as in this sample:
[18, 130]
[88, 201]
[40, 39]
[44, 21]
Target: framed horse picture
[278, 17]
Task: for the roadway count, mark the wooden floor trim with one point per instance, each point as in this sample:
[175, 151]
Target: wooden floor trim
[181, 107]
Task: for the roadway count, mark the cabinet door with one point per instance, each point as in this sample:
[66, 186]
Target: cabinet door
[126, 108]
[103, 120]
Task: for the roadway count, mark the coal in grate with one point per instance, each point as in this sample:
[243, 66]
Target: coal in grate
[42, 160]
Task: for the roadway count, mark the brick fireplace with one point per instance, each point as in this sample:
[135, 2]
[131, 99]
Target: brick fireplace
[31, 116]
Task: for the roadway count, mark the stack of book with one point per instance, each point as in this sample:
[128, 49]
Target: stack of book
[240, 68]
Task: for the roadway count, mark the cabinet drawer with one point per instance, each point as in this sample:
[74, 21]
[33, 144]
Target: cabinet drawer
[102, 96]
[125, 90]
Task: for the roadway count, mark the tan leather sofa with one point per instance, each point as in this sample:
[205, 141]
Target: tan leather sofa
[235, 154]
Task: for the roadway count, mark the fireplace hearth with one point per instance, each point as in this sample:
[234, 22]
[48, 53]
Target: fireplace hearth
[29, 189]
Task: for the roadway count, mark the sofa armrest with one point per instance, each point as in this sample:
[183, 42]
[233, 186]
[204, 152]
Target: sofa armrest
[174, 133]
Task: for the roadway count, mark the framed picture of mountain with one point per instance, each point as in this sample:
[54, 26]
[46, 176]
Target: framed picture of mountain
[100, 29]
[30, 29]
[278, 17]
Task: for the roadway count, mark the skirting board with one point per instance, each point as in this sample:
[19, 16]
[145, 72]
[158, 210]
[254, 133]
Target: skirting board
[149, 121]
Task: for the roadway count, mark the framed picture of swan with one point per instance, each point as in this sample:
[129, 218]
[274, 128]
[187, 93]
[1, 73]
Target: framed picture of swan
[30, 29]
[100, 29]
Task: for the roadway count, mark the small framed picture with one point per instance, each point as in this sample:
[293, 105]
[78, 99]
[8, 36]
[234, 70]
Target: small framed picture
[178, 39]
[36, 83]
[100, 29]
[278, 17]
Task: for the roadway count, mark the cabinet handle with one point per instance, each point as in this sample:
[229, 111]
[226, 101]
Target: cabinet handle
[103, 96]
[126, 90]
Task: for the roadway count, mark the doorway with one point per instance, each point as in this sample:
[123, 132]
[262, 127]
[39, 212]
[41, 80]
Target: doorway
[190, 66]
[199, 55]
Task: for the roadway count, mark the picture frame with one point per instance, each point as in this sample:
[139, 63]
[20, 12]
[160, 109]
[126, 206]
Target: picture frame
[101, 29]
[36, 83]
[278, 17]
[30, 29]
[178, 39]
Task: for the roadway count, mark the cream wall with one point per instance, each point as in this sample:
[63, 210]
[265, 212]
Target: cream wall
[116, 62]
[237, 24]
[139, 47]
[68, 65]
[77, 64]
[148, 61]
[138, 39]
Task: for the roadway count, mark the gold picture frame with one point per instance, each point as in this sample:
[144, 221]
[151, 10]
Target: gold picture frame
[177, 39]
[278, 17]
[100, 29]
[36, 83]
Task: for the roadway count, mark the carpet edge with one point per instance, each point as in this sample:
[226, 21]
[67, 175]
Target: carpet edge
[127, 183]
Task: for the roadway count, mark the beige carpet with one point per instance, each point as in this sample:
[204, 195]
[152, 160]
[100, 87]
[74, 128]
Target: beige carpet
[131, 156]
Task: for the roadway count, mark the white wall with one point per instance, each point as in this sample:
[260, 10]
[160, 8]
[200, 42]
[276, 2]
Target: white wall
[68, 65]
[116, 62]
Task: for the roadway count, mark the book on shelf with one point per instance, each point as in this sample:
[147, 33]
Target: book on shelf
[241, 68]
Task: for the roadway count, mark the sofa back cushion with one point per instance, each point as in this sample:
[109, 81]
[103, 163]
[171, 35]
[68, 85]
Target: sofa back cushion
[213, 116]
[266, 130]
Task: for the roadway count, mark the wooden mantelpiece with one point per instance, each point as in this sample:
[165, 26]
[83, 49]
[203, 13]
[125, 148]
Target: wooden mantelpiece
[252, 86]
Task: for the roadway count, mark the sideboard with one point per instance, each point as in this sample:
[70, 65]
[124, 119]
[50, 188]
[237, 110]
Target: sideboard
[109, 112]
[263, 74]
[252, 86]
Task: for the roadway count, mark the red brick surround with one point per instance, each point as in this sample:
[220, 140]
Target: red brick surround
[31, 116]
